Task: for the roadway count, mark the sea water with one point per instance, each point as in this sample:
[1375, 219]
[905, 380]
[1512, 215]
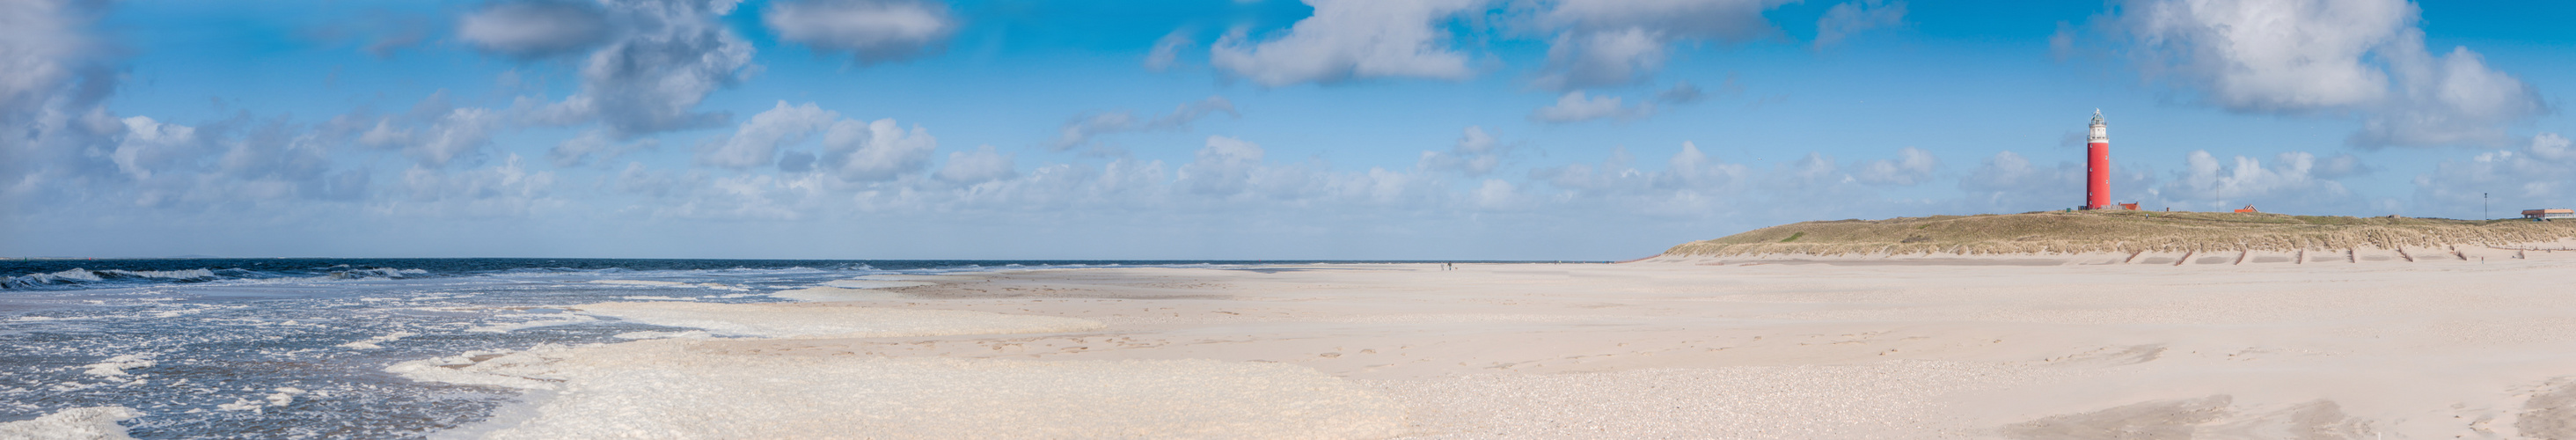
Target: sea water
[298, 348]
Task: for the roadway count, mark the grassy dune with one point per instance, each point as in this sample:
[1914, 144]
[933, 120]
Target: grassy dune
[2122, 231]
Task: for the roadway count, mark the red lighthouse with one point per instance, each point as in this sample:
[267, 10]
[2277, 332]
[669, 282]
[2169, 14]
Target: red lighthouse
[2097, 170]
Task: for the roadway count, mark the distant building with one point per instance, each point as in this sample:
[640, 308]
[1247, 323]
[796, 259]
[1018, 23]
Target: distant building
[2248, 209]
[2548, 214]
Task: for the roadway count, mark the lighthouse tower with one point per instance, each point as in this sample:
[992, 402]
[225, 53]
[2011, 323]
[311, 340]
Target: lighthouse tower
[2097, 169]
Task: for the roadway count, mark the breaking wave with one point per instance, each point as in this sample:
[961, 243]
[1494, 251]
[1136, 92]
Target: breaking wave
[78, 275]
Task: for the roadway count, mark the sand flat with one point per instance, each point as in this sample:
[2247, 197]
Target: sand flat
[1671, 348]
[2464, 348]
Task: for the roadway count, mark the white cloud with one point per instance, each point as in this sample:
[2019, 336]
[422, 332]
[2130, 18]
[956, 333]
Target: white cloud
[1604, 58]
[651, 76]
[1576, 107]
[756, 142]
[1912, 166]
[1691, 185]
[1475, 155]
[2291, 180]
[54, 77]
[1616, 42]
[505, 190]
[1855, 16]
[2272, 55]
[1167, 50]
[874, 151]
[979, 166]
[1224, 168]
[852, 150]
[1713, 19]
[1350, 39]
[873, 30]
[1082, 129]
[2365, 57]
[436, 133]
[151, 145]
[1496, 194]
[2535, 176]
[1688, 170]
[2551, 146]
[2450, 100]
[533, 29]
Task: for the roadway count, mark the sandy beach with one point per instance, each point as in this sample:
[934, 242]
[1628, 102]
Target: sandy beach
[1657, 349]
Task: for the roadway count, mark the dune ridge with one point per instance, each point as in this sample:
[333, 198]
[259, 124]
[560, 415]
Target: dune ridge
[2130, 233]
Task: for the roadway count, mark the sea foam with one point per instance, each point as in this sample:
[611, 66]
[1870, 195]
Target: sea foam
[670, 390]
[813, 320]
[73, 424]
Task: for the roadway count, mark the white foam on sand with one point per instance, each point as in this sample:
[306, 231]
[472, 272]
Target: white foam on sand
[873, 284]
[807, 320]
[372, 343]
[642, 283]
[828, 294]
[717, 286]
[690, 334]
[666, 389]
[92, 423]
[541, 320]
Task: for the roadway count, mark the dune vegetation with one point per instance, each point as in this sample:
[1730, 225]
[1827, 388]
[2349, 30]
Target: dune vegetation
[2122, 231]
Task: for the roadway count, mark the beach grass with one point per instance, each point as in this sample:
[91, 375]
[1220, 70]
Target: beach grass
[2066, 232]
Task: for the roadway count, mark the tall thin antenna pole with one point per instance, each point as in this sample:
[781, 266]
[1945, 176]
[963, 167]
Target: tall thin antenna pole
[2483, 211]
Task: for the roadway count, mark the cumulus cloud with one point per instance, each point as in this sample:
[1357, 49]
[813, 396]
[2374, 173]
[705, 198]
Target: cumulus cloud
[1576, 107]
[1350, 39]
[1912, 166]
[1223, 168]
[1853, 17]
[652, 73]
[1604, 58]
[54, 75]
[1475, 155]
[435, 132]
[853, 150]
[2453, 99]
[756, 142]
[874, 151]
[2292, 178]
[2364, 57]
[979, 166]
[532, 29]
[151, 145]
[872, 30]
[1612, 42]
[67, 151]
[2533, 176]
[505, 190]
[1687, 170]
[1082, 129]
[1691, 184]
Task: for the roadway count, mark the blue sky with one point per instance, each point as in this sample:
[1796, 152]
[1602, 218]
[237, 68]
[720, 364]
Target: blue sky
[1400, 129]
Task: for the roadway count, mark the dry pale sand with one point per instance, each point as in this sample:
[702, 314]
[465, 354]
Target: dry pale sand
[2447, 349]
